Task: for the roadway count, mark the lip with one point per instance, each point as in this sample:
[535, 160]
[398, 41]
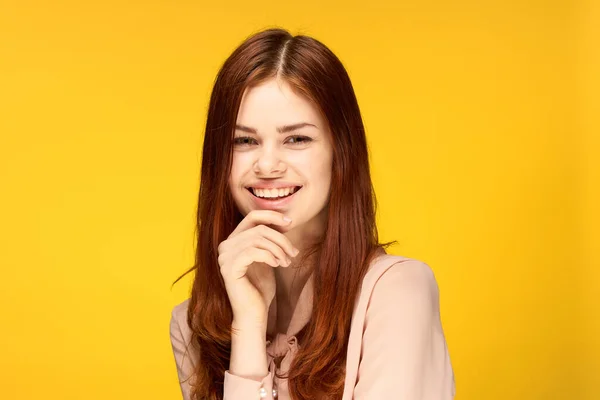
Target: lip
[272, 204]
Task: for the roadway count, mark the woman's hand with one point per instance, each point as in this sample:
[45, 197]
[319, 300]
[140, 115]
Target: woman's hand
[247, 258]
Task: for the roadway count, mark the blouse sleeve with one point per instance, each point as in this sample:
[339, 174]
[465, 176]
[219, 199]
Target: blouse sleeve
[404, 354]
[234, 388]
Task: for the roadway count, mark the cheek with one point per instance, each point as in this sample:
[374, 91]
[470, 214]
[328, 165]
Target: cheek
[237, 168]
[319, 171]
[322, 162]
[232, 177]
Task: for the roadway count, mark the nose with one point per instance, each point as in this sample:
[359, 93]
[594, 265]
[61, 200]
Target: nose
[269, 161]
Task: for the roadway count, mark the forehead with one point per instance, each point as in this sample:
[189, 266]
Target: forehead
[274, 103]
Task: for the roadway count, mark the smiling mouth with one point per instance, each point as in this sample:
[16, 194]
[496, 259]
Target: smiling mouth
[296, 190]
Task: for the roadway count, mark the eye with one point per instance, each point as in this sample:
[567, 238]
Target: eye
[242, 140]
[303, 139]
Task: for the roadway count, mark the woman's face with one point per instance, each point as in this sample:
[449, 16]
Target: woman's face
[299, 156]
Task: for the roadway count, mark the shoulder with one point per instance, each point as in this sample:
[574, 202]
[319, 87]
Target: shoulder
[179, 319]
[398, 281]
[186, 357]
[180, 309]
[390, 266]
[181, 336]
[407, 273]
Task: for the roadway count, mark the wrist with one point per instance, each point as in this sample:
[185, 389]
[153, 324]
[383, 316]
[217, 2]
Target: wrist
[249, 325]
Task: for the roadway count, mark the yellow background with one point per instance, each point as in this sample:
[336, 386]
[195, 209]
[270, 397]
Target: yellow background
[482, 120]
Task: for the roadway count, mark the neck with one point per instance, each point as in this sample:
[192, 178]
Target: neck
[291, 280]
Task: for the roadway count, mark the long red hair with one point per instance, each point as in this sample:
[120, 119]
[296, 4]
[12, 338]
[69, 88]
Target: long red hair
[348, 245]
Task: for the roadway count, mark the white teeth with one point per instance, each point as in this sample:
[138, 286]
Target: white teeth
[273, 193]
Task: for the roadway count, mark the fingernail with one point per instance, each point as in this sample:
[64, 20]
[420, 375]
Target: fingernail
[287, 219]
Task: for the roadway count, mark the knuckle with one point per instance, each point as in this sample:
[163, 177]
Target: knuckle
[223, 246]
[222, 268]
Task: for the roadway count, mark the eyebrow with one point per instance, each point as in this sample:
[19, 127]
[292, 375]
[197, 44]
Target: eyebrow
[280, 129]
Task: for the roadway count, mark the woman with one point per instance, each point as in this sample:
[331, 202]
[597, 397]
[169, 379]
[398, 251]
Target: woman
[294, 297]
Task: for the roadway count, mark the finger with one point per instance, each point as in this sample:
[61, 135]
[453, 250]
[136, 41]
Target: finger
[258, 217]
[254, 254]
[276, 242]
[238, 268]
[262, 242]
[278, 238]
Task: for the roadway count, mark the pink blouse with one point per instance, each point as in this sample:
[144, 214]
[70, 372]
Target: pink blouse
[396, 348]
